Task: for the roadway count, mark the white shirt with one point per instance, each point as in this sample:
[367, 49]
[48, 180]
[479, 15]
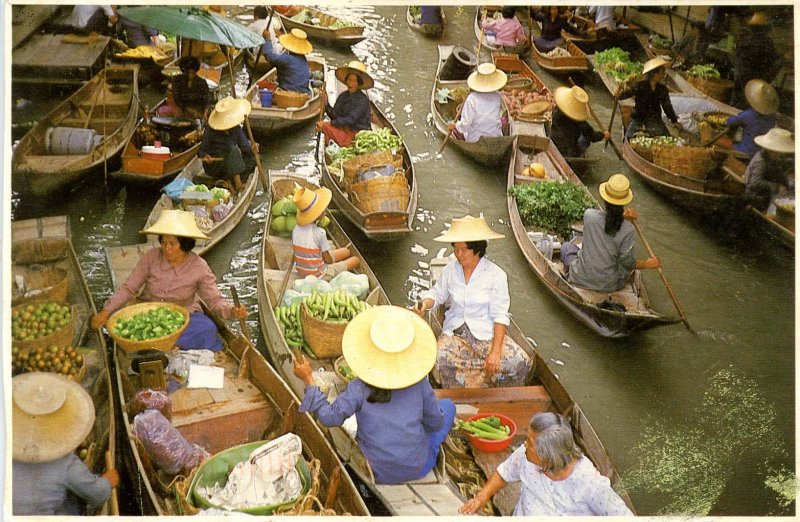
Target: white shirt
[82, 13]
[481, 116]
[259, 26]
[480, 304]
[603, 16]
[585, 492]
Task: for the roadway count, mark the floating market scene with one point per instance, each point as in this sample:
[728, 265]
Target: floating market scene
[388, 260]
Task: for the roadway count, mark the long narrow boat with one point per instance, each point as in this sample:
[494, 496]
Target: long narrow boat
[194, 172]
[322, 31]
[58, 151]
[274, 119]
[254, 404]
[488, 11]
[486, 151]
[576, 62]
[426, 29]
[588, 39]
[584, 304]
[47, 242]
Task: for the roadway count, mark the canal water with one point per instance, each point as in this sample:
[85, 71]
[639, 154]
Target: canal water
[697, 424]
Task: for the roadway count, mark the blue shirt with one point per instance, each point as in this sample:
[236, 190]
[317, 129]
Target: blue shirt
[430, 14]
[393, 436]
[351, 110]
[293, 72]
[216, 143]
[755, 124]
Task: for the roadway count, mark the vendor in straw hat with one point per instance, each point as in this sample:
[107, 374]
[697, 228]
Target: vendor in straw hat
[175, 274]
[312, 252]
[474, 350]
[293, 72]
[605, 260]
[759, 118]
[351, 112]
[570, 132]
[770, 172]
[51, 416]
[225, 151]
[483, 107]
[650, 98]
[754, 57]
[401, 424]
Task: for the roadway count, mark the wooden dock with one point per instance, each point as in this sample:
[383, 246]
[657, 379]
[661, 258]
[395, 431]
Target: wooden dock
[54, 59]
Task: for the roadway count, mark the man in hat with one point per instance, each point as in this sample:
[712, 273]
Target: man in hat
[759, 118]
[351, 112]
[755, 57]
[650, 98]
[51, 416]
[771, 172]
[692, 48]
[570, 132]
[481, 114]
[225, 151]
[293, 72]
[312, 252]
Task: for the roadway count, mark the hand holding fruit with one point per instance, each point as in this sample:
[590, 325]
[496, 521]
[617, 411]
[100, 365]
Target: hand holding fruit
[100, 319]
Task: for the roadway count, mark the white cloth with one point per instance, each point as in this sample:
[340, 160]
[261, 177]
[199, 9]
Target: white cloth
[259, 26]
[480, 304]
[481, 116]
[603, 16]
[585, 492]
[82, 13]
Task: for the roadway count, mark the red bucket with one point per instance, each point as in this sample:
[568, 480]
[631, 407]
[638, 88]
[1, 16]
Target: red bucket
[488, 445]
[266, 84]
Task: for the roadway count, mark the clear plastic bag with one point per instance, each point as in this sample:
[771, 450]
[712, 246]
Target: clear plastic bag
[165, 445]
[355, 284]
[150, 400]
[180, 360]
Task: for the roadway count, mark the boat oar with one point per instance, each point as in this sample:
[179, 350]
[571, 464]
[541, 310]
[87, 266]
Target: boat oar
[113, 501]
[245, 335]
[597, 121]
[671, 30]
[686, 23]
[714, 138]
[664, 278]
[323, 94]
[279, 299]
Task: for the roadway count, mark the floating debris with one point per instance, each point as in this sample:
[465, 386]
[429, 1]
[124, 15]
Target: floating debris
[423, 264]
[419, 249]
[558, 362]
[407, 108]
[532, 341]
[440, 253]
[566, 345]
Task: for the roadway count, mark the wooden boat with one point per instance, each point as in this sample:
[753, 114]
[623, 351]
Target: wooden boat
[576, 62]
[274, 119]
[542, 392]
[107, 104]
[486, 151]
[255, 404]
[583, 304]
[488, 11]
[344, 36]
[47, 242]
[427, 29]
[140, 169]
[590, 40]
[263, 65]
[522, 78]
[194, 172]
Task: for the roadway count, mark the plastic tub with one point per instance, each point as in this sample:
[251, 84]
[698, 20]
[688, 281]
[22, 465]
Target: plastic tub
[488, 445]
[149, 151]
[266, 97]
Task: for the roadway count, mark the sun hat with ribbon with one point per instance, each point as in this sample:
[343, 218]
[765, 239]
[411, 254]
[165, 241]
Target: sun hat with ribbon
[296, 41]
[776, 140]
[487, 78]
[359, 69]
[762, 97]
[654, 63]
[466, 229]
[574, 102]
[311, 204]
[176, 223]
[51, 416]
[758, 18]
[228, 113]
[389, 347]
[617, 190]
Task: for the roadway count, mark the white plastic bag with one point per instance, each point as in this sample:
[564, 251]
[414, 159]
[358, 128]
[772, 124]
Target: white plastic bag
[180, 360]
[355, 284]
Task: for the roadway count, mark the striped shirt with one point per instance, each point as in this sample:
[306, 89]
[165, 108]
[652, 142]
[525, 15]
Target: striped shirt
[309, 242]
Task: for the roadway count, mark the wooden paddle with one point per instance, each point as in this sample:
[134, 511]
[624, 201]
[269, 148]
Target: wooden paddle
[664, 278]
[597, 121]
[246, 335]
[324, 95]
[113, 501]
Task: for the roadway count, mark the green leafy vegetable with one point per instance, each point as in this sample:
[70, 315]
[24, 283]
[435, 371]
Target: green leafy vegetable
[551, 206]
[704, 71]
[152, 324]
[617, 63]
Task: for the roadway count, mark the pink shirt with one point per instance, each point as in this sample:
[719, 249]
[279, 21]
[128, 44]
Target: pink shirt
[184, 284]
[508, 31]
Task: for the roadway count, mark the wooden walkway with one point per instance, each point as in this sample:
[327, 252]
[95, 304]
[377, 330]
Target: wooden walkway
[49, 59]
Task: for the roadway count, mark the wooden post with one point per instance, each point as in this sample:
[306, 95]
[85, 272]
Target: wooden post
[113, 501]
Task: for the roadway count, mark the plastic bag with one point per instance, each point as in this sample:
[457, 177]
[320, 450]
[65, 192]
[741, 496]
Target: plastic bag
[308, 284]
[150, 400]
[175, 188]
[291, 297]
[165, 445]
[221, 210]
[180, 360]
[355, 284]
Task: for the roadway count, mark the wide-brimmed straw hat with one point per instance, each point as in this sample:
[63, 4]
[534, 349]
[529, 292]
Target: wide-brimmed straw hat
[487, 78]
[762, 97]
[617, 190]
[468, 228]
[228, 113]
[574, 102]
[776, 140]
[758, 18]
[296, 41]
[359, 69]
[174, 222]
[311, 204]
[389, 347]
[51, 415]
[653, 64]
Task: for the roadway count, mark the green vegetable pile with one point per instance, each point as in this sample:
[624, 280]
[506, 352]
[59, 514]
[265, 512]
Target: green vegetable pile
[660, 41]
[289, 320]
[341, 23]
[34, 321]
[550, 205]
[617, 63]
[415, 11]
[302, 17]
[284, 217]
[704, 71]
[648, 142]
[371, 141]
[346, 372]
[152, 324]
[485, 428]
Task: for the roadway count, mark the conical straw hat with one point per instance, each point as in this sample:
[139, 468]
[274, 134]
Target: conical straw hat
[296, 41]
[617, 190]
[762, 97]
[228, 113]
[176, 223]
[776, 140]
[574, 102]
[653, 64]
[467, 229]
[487, 78]
[311, 204]
[359, 69]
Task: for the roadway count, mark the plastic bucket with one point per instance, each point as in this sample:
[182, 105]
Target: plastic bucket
[266, 97]
[70, 141]
[459, 64]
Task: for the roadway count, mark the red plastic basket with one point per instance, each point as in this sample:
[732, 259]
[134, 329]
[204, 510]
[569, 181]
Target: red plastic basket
[488, 445]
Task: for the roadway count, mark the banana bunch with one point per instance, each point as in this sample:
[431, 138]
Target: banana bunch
[289, 319]
[143, 51]
[335, 307]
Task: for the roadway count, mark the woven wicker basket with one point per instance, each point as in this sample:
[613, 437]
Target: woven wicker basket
[717, 88]
[645, 152]
[324, 338]
[384, 194]
[164, 344]
[61, 337]
[78, 377]
[31, 251]
[43, 283]
[693, 162]
[362, 162]
[284, 99]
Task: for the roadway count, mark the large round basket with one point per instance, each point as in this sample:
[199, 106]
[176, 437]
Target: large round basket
[692, 162]
[41, 250]
[324, 338]
[164, 344]
[717, 88]
[382, 194]
[284, 99]
[61, 337]
[41, 283]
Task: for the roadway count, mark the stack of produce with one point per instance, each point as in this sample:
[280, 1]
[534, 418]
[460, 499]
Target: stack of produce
[485, 428]
[56, 359]
[661, 42]
[365, 142]
[558, 52]
[516, 99]
[550, 205]
[284, 217]
[704, 71]
[152, 324]
[617, 63]
[31, 322]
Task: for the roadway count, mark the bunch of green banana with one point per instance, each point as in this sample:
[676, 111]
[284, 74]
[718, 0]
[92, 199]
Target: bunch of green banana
[289, 319]
[335, 307]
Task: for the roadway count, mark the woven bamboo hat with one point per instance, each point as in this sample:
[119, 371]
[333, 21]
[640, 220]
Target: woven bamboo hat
[176, 223]
[51, 415]
[758, 18]
[574, 102]
[776, 140]
[653, 64]
[762, 97]
[487, 78]
[296, 41]
[389, 347]
[617, 190]
[228, 113]
[468, 228]
[311, 204]
[359, 69]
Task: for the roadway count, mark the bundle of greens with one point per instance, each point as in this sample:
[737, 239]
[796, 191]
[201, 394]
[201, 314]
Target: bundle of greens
[617, 63]
[416, 12]
[704, 71]
[341, 23]
[660, 41]
[550, 205]
[664, 141]
[303, 17]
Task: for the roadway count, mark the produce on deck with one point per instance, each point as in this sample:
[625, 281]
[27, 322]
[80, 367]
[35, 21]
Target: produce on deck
[485, 428]
[516, 99]
[704, 71]
[152, 324]
[66, 361]
[34, 321]
[551, 205]
[617, 63]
